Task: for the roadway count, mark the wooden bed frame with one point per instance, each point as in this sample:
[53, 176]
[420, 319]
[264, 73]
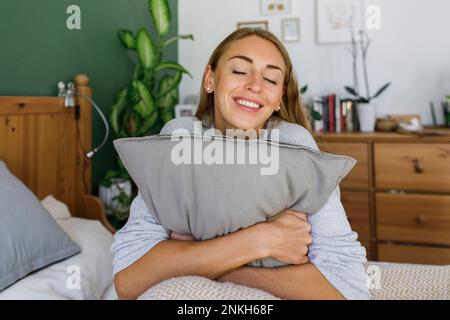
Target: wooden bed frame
[41, 145]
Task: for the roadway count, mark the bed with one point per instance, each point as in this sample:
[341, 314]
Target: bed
[44, 146]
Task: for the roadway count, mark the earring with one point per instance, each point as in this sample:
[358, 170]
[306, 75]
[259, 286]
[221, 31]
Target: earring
[208, 89]
[278, 109]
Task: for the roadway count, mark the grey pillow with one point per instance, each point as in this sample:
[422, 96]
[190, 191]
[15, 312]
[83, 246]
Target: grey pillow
[213, 200]
[29, 237]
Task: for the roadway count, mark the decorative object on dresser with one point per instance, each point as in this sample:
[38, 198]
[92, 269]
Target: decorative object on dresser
[446, 110]
[366, 109]
[397, 196]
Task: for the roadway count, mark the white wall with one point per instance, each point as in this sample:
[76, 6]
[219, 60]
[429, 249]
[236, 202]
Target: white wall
[412, 49]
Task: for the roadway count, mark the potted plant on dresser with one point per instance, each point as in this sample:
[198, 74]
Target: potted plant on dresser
[366, 109]
[145, 105]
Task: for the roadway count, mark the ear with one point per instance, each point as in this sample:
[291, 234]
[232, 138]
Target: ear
[209, 79]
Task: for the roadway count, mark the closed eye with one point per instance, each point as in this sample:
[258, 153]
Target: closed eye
[271, 81]
[238, 72]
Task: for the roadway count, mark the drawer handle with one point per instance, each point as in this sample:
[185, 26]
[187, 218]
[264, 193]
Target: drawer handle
[420, 219]
[418, 167]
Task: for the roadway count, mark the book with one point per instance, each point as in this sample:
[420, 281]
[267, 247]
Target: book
[331, 113]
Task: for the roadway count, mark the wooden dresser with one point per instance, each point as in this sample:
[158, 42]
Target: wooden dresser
[397, 197]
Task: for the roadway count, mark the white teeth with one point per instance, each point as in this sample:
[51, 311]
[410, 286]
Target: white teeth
[248, 104]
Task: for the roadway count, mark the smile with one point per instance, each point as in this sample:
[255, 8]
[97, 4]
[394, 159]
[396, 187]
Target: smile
[247, 104]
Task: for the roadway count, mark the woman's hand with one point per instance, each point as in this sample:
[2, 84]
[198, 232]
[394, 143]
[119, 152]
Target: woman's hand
[183, 237]
[287, 237]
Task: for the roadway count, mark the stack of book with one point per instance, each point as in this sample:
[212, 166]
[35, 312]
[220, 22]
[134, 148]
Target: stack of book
[337, 115]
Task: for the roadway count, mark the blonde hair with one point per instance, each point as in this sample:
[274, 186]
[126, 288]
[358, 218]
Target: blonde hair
[291, 108]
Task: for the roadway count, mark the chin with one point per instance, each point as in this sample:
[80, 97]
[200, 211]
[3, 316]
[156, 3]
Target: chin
[245, 124]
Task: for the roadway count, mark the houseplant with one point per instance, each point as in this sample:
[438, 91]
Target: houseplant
[146, 104]
[365, 106]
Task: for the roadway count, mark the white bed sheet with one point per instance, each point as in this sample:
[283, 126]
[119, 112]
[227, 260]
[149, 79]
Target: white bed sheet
[87, 275]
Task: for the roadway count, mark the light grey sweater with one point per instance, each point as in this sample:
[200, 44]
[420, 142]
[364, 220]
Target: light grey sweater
[335, 250]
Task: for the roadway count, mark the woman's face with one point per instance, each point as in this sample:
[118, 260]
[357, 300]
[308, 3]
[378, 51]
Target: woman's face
[248, 84]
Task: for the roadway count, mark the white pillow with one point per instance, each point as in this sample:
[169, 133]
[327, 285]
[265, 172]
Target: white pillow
[57, 209]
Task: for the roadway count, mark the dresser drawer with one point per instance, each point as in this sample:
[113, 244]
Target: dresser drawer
[413, 218]
[356, 205]
[412, 166]
[413, 254]
[358, 178]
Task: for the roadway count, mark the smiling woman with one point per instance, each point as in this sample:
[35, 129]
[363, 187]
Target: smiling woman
[248, 83]
[251, 71]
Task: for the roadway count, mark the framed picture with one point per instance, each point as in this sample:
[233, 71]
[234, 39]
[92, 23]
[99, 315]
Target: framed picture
[254, 24]
[184, 110]
[337, 18]
[276, 7]
[290, 29]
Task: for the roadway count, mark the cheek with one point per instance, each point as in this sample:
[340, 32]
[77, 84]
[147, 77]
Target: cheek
[275, 96]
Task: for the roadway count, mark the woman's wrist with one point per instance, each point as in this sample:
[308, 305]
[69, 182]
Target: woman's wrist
[259, 235]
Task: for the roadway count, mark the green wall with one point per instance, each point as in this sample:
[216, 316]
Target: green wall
[37, 50]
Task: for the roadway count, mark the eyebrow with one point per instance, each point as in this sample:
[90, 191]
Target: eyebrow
[269, 66]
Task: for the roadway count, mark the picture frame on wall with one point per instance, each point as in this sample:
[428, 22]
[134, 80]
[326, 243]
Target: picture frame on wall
[276, 7]
[263, 24]
[290, 29]
[336, 19]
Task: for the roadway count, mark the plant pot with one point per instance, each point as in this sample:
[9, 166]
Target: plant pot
[107, 195]
[366, 117]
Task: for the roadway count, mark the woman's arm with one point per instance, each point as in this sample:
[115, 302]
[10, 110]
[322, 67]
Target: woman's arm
[143, 255]
[174, 258]
[294, 282]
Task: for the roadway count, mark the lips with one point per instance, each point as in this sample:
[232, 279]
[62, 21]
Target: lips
[248, 103]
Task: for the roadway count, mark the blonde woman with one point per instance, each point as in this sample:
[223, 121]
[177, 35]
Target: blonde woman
[249, 83]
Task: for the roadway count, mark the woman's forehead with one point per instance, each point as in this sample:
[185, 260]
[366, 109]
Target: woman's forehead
[257, 49]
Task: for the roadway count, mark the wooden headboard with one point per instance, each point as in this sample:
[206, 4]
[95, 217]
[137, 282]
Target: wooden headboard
[41, 145]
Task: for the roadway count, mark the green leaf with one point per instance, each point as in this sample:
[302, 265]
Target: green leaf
[127, 39]
[174, 39]
[304, 89]
[147, 53]
[146, 105]
[160, 11]
[117, 109]
[107, 179]
[148, 124]
[133, 94]
[167, 115]
[171, 65]
[168, 84]
[381, 90]
[354, 93]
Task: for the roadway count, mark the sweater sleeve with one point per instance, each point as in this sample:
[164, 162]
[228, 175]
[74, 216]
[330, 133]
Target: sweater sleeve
[139, 235]
[335, 250]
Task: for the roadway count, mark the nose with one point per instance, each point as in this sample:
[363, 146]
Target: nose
[254, 83]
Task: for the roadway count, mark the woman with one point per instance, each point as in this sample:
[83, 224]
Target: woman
[249, 83]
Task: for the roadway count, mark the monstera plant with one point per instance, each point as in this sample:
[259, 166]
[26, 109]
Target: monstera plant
[148, 102]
